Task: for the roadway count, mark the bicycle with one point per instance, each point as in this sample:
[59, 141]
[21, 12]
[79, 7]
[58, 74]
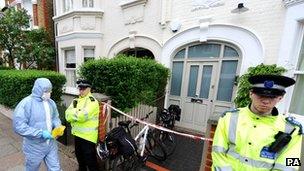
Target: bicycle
[167, 118]
[146, 145]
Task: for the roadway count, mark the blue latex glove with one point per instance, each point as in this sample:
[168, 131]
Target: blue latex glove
[46, 135]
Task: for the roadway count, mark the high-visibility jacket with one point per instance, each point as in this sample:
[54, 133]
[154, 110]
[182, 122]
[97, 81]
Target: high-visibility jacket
[241, 137]
[84, 117]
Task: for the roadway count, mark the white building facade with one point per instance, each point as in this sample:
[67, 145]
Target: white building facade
[202, 42]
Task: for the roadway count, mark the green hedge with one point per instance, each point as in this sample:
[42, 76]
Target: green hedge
[242, 99]
[5, 68]
[127, 80]
[17, 84]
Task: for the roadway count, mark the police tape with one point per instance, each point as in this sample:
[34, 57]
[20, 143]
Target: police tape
[157, 126]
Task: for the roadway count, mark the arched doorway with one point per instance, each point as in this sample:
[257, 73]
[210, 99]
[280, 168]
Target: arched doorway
[138, 52]
[203, 81]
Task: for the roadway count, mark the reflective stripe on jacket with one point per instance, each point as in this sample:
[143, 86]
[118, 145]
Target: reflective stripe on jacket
[240, 137]
[84, 118]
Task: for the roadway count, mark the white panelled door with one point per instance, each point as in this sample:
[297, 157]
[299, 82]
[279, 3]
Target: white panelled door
[203, 82]
[198, 94]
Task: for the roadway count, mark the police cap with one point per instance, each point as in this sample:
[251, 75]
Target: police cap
[83, 83]
[270, 85]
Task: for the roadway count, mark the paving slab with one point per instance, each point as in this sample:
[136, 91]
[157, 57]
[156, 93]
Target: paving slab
[11, 155]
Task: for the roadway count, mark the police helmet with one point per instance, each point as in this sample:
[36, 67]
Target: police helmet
[270, 85]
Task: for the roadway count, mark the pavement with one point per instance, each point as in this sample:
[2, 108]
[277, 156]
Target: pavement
[12, 158]
[187, 155]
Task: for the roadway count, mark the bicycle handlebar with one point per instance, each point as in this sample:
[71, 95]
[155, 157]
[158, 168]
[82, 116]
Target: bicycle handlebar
[143, 118]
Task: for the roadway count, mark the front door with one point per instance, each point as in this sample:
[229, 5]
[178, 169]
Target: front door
[203, 82]
[198, 94]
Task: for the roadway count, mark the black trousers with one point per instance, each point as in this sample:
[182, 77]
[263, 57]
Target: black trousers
[85, 154]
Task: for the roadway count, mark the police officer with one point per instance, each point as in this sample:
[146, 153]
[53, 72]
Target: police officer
[83, 116]
[257, 137]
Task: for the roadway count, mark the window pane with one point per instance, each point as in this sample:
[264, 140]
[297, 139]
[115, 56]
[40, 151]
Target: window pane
[204, 51]
[296, 105]
[84, 3]
[177, 76]
[180, 54]
[71, 78]
[230, 52]
[227, 79]
[67, 5]
[91, 3]
[88, 59]
[89, 53]
[206, 80]
[192, 80]
[301, 57]
[70, 59]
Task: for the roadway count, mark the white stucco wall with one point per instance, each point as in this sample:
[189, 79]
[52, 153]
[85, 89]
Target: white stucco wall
[290, 46]
[146, 23]
[117, 30]
[265, 18]
[249, 44]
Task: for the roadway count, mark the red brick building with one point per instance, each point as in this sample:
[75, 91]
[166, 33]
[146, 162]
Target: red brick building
[40, 11]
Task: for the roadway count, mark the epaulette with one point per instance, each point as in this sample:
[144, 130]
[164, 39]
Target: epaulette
[92, 98]
[292, 120]
[230, 111]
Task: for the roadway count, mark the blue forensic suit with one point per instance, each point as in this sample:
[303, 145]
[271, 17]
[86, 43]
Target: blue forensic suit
[29, 121]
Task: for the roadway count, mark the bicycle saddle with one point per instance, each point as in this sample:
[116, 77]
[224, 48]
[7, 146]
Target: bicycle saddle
[124, 123]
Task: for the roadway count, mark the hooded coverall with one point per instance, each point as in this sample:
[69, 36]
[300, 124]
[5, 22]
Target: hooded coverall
[242, 137]
[30, 121]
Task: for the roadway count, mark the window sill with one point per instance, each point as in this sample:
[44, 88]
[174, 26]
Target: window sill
[299, 72]
[79, 12]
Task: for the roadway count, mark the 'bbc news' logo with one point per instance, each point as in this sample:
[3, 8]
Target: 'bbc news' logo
[293, 162]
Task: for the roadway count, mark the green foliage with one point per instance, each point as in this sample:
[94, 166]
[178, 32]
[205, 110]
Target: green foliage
[12, 32]
[37, 50]
[17, 84]
[5, 68]
[127, 80]
[61, 110]
[242, 99]
[32, 48]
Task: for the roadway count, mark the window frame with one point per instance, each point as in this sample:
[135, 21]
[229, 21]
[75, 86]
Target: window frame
[67, 5]
[298, 72]
[70, 81]
[220, 59]
[88, 3]
[88, 48]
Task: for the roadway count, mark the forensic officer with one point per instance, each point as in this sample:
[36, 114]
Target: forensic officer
[34, 118]
[83, 116]
[257, 137]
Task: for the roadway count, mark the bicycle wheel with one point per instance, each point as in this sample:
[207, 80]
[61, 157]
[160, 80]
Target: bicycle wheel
[155, 149]
[126, 163]
[168, 141]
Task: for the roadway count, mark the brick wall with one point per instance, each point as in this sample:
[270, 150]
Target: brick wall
[207, 159]
[7, 2]
[35, 14]
[45, 14]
